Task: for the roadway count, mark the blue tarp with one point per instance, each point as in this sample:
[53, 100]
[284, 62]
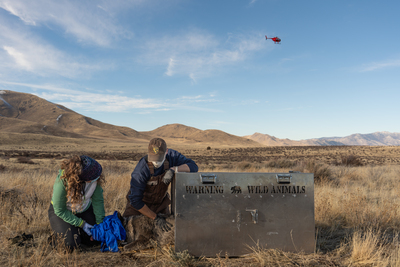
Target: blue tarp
[109, 232]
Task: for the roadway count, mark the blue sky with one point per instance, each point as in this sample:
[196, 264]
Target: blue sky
[206, 64]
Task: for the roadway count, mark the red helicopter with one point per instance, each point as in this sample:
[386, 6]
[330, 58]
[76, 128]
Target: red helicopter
[276, 40]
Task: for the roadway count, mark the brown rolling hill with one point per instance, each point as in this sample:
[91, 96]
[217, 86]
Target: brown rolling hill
[26, 113]
[22, 126]
[187, 134]
[29, 114]
[268, 140]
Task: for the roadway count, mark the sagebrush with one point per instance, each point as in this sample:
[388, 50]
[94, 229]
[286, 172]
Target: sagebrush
[357, 218]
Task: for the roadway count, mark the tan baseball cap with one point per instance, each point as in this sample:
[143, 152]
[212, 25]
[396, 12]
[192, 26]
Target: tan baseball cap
[157, 149]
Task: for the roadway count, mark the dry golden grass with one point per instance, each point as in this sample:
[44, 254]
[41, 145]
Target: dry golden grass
[357, 217]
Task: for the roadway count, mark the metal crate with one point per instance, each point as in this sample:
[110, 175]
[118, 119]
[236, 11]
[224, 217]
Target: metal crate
[227, 213]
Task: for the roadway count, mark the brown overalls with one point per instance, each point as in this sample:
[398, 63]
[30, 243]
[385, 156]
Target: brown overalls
[155, 196]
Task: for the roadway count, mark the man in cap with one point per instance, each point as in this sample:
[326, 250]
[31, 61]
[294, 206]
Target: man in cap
[150, 179]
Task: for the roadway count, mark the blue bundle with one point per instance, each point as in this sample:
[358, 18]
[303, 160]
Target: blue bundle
[109, 232]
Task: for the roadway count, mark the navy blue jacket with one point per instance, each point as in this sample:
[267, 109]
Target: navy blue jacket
[141, 175]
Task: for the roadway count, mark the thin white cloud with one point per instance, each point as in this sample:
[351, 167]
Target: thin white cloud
[197, 54]
[100, 102]
[285, 109]
[106, 102]
[20, 51]
[249, 102]
[143, 112]
[37, 86]
[17, 9]
[196, 99]
[90, 101]
[192, 76]
[102, 8]
[170, 67]
[19, 57]
[213, 94]
[380, 65]
[88, 21]
[191, 97]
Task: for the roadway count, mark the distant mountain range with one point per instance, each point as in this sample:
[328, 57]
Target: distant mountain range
[372, 139]
[29, 114]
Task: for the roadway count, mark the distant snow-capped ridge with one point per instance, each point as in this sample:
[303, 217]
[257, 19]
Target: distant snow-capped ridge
[383, 138]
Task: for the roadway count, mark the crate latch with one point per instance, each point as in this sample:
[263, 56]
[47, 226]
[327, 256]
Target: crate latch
[208, 178]
[283, 178]
[254, 215]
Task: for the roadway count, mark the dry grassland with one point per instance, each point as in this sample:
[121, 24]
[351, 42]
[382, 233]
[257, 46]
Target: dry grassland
[357, 210]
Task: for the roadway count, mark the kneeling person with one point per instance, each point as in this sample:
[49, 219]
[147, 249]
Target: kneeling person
[77, 202]
[150, 179]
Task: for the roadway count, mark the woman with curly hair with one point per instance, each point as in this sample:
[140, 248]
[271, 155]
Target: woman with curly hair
[77, 202]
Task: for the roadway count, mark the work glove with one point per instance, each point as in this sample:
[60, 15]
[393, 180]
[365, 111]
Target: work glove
[162, 223]
[168, 176]
[86, 227]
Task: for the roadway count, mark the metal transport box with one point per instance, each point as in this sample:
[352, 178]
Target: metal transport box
[226, 213]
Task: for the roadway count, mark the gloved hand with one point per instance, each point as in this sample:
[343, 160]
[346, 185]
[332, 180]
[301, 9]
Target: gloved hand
[162, 223]
[168, 176]
[86, 227]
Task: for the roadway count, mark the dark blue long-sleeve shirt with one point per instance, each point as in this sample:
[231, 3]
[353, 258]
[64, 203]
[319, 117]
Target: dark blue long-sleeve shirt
[141, 175]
